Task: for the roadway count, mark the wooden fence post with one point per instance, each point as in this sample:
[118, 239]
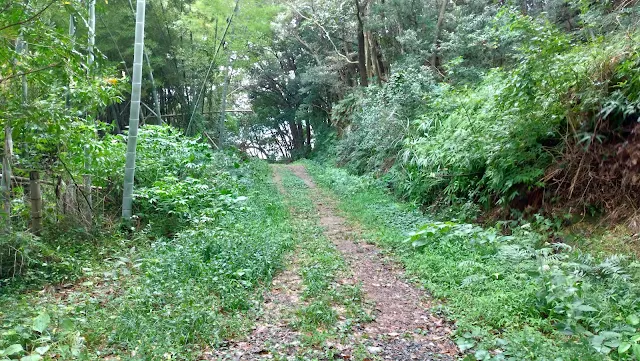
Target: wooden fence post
[35, 195]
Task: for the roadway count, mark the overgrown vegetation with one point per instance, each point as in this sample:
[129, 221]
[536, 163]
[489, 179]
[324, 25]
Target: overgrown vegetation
[329, 309]
[211, 232]
[521, 106]
[199, 285]
[524, 111]
[550, 128]
[513, 297]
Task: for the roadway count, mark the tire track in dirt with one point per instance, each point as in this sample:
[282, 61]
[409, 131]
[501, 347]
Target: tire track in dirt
[403, 328]
[272, 333]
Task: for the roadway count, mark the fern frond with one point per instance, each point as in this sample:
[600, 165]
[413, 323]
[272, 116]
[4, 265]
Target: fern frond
[612, 267]
[470, 264]
[514, 252]
[473, 280]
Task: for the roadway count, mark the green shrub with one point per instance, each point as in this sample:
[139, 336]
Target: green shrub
[379, 119]
[173, 203]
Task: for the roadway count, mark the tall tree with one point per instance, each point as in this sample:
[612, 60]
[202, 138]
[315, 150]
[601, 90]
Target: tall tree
[362, 57]
[436, 40]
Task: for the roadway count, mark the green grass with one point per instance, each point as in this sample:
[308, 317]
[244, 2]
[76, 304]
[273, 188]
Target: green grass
[328, 309]
[514, 298]
[170, 299]
[200, 287]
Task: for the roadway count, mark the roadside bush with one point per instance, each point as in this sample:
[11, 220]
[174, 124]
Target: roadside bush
[172, 203]
[379, 120]
[162, 151]
[556, 123]
[179, 180]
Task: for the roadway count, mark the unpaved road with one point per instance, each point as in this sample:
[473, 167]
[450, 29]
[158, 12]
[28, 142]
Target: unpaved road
[402, 329]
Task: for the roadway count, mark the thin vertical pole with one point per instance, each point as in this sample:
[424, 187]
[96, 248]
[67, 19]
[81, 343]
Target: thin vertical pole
[87, 183]
[134, 114]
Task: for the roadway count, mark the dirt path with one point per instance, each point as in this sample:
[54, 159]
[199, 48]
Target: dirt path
[402, 329]
[272, 334]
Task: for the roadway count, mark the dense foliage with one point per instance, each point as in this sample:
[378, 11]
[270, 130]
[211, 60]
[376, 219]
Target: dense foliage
[517, 104]
[210, 232]
[549, 121]
[514, 297]
[520, 104]
[520, 110]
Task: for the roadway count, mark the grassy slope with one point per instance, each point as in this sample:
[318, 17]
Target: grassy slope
[494, 299]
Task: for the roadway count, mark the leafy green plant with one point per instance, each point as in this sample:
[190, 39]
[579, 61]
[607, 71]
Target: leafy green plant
[41, 338]
[561, 298]
[624, 341]
[451, 231]
[178, 202]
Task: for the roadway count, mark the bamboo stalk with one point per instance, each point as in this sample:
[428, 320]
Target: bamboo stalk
[134, 114]
[86, 178]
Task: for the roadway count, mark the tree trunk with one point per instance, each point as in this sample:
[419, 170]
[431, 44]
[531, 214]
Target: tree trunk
[380, 67]
[301, 139]
[134, 113]
[308, 137]
[35, 195]
[210, 117]
[72, 35]
[92, 30]
[436, 41]
[367, 56]
[362, 60]
[373, 53]
[5, 182]
[34, 177]
[298, 140]
[154, 92]
[348, 72]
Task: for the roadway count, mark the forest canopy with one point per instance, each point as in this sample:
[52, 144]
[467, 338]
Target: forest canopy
[380, 86]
